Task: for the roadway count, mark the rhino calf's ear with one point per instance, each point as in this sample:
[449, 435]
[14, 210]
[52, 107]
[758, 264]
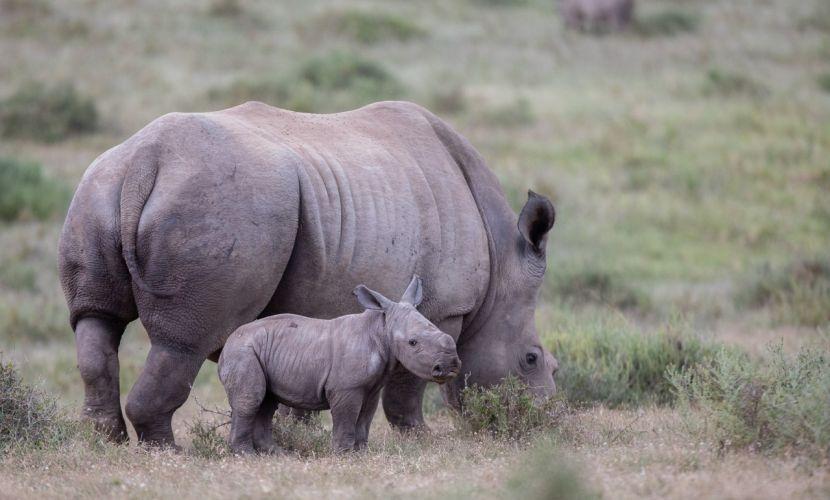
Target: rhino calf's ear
[414, 293]
[536, 219]
[371, 299]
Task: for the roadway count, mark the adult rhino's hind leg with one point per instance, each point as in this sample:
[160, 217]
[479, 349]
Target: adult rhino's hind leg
[96, 341]
[162, 387]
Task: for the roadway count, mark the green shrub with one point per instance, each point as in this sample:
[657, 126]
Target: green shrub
[506, 410]
[365, 26]
[504, 3]
[620, 366]
[797, 293]
[333, 82]
[518, 113]
[548, 475]
[729, 83]
[47, 113]
[599, 287]
[666, 23]
[225, 8]
[780, 405]
[26, 193]
[305, 437]
[18, 275]
[207, 442]
[34, 318]
[29, 418]
[450, 99]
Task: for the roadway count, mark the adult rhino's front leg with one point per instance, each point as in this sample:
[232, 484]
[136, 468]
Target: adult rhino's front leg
[403, 394]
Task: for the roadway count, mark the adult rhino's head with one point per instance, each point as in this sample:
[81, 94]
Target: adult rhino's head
[420, 346]
[501, 339]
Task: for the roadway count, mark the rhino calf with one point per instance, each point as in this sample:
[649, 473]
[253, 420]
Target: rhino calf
[339, 364]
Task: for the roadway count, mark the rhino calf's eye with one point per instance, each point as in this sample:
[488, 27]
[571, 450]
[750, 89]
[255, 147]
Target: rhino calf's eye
[531, 358]
[413, 342]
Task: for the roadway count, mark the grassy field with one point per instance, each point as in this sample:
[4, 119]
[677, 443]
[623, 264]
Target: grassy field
[688, 158]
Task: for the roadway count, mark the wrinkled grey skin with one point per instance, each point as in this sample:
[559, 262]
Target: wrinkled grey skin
[597, 15]
[202, 222]
[315, 364]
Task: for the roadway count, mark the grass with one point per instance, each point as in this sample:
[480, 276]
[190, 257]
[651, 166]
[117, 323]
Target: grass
[669, 22]
[598, 287]
[777, 406]
[731, 83]
[617, 365]
[47, 113]
[363, 26]
[334, 81]
[549, 474]
[797, 293]
[823, 81]
[26, 193]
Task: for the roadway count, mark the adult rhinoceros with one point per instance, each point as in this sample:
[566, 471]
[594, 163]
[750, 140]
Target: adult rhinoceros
[202, 222]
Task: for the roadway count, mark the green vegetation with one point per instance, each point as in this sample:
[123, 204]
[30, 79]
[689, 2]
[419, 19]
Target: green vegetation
[364, 26]
[48, 114]
[666, 23]
[331, 82]
[618, 365]
[598, 287]
[780, 405]
[518, 113]
[25, 193]
[823, 81]
[225, 8]
[506, 410]
[206, 441]
[798, 293]
[29, 418]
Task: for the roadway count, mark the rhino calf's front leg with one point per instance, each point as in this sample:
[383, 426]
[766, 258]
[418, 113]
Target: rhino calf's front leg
[345, 411]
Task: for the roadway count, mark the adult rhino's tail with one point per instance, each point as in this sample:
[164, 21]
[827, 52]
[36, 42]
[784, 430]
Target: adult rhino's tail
[138, 184]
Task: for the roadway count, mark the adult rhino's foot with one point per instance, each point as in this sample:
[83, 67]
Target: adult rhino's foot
[111, 425]
[403, 395]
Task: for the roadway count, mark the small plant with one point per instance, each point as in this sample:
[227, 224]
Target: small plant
[518, 113]
[729, 83]
[365, 26]
[547, 474]
[796, 293]
[666, 23]
[29, 418]
[508, 410]
[449, 99]
[26, 193]
[207, 442]
[620, 366]
[306, 437]
[599, 287]
[779, 405]
[47, 114]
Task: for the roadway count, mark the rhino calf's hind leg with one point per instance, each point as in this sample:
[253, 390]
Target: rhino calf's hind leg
[97, 340]
[161, 389]
[264, 426]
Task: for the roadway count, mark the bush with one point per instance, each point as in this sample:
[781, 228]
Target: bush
[449, 99]
[599, 287]
[666, 23]
[206, 440]
[305, 437]
[728, 83]
[518, 113]
[26, 193]
[28, 417]
[506, 410]
[365, 26]
[796, 293]
[548, 475]
[47, 113]
[618, 366]
[332, 82]
[781, 405]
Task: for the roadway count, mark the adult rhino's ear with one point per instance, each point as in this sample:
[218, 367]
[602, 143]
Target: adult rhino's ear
[371, 299]
[536, 219]
[414, 293]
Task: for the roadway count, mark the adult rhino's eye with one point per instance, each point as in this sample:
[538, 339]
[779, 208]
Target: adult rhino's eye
[413, 342]
[531, 358]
